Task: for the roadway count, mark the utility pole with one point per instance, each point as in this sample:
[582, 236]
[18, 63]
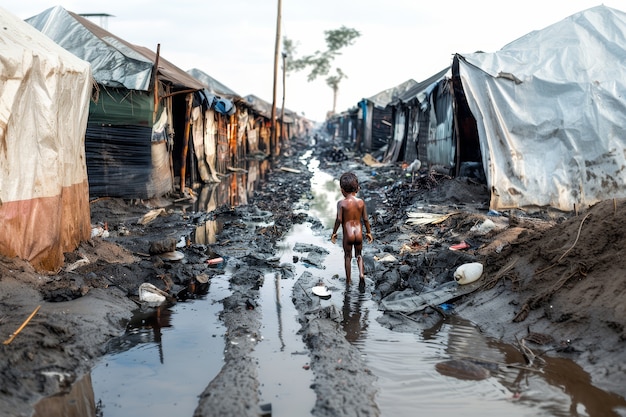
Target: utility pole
[273, 141]
[282, 108]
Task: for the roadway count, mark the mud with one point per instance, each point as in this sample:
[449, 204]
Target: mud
[553, 283]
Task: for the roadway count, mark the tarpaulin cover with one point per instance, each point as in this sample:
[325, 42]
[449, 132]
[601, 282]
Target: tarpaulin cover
[44, 103]
[124, 158]
[551, 114]
[114, 61]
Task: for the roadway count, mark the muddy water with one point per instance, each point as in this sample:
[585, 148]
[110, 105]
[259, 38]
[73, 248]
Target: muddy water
[165, 361]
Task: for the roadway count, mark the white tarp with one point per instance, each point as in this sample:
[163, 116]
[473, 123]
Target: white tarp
[44, 106]
[551, 113]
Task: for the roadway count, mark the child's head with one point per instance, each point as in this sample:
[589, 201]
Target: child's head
[349, 182]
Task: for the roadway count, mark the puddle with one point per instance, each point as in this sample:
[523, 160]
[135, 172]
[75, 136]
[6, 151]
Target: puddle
[166, 360]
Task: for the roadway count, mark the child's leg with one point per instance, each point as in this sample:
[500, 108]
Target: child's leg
[359, 260]
[347, 259]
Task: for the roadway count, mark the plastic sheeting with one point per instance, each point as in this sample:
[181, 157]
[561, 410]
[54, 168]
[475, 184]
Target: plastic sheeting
[551, 114]
[127, 154]
[44, 103]
[114, 62]
[410, 301]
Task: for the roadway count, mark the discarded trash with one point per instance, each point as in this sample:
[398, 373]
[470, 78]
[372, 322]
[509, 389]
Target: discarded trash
[369, 160]
[483, 228]
[408, 301]
[215, 261]
[386, 258]
[446, 307]
[468, 273]
[493, 213]
[411, 300]
[150, 216]
[148, 293]
[294, 171]
[460, 246]
[99, 231]
[172, 256]
[73, 266]
[413, 169]
[321, 291]
[427, 218]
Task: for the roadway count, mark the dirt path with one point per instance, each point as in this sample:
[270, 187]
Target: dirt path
[545, 275]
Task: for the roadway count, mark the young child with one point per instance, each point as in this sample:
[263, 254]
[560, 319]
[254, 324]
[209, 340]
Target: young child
[351, 212]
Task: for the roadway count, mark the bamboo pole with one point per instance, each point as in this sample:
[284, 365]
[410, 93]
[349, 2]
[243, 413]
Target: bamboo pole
[15, 333]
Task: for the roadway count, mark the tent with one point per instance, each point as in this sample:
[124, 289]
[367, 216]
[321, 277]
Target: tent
[376, 116]
[141, 115]
[550, 112]
[44, 106]
[423, 117]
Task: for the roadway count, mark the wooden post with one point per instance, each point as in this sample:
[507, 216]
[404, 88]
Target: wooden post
[183, 168]
[155, 83]
[273, 143]
[282, 108]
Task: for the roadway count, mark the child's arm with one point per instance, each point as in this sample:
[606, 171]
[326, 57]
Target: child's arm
[368, 230]
[333, 237]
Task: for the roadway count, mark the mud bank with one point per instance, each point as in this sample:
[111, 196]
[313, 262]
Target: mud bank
[553, 284]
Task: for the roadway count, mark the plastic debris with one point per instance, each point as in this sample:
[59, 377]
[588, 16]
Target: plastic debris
[468, 273]
[460, 246]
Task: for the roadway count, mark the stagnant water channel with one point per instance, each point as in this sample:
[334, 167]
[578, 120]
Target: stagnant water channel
[165, 360]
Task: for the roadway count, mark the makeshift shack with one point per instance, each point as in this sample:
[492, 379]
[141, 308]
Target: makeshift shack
[423, 123]
[44, 105]
[550, 114]
[377, 116]
[138, 129]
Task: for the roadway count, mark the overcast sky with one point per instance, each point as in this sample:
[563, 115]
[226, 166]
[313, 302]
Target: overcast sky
[233, 40]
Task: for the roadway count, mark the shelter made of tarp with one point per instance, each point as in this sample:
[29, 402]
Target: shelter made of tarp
[551, 114]
[137, 113]
[218, 96]
[376, 116]
[423, 116]
[44, 107]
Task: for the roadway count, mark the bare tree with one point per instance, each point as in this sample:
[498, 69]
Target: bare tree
[320, 62]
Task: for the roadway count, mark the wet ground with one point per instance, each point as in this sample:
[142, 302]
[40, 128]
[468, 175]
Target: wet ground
[255, 335]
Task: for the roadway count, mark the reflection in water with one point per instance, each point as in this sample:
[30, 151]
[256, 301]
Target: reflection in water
[326, 193]
[576, 383]
[136, 381]
[355, 315]
[233, 190]
[144, 327]
[206, 233]
[558, 386]
[279, 315]
[79, 402]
